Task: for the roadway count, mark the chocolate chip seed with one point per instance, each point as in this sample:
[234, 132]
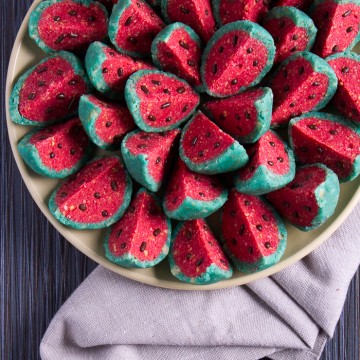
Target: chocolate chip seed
[335, 48]
[188, 256]
[60, 96]
[168, 119]
[128, 21]
[59, 146]
[51, 155]
[114, 185]
[185, 108]
[333, 132]
[255, 63]
[265, 217]
[272, 143]
[184, 45]
[235, 40]
[250, 250]
[199, 262]
[143, 246]
[267, 245]
[214, 69]
[60, 39]
[63, 194]
[247, 202]
[31, 96]
[347, 13]
[191, 63]
[56, 18]
[234, 81]
[280, 159]
[180, 90]
[301, 70]
[242, 230]
[295, 37]
[82, 207]
[188, 234]
[123, 245]
[108, 124]
[271, 163]
[194, 141]
[184, 10]
[151, 118]
[221, 49]
[312, 96]
[201, 194]
[249, 50]
[316, 83]
[349, 29]
[120, 72]
[216, 145]
[144, 89]
[312, 127]
[158, 160]
[97, 195]
[345, 69]
[157, 232]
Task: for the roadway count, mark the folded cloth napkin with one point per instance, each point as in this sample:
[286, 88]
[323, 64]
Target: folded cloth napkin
[289, 315]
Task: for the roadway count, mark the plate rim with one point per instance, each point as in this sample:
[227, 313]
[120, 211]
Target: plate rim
[128, 273]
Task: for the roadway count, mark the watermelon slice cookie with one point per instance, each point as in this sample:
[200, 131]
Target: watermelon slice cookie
[271, 166]
[196, 256]
[338, 25]
[108, 70]
[238, 56]
[253, 233]
[246, 116]
[347, 69]
[207, 149]
[195, 13]
[227, 11]
[159, 101]
[106, 123]
[147, 156]
[190, 195]
[177, 49]
[141, 238]
[302, 83]
[68, 24]
[49, 91]
[56, 151]
[291, 29]
[95, 197]
[310, 199]
[327, 139]
[133, 26]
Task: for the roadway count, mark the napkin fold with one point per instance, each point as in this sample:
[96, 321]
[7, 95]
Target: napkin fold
[288, 316]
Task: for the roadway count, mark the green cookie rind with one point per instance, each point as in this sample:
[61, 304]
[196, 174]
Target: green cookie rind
[266, 261]
[211, 275]
[94, 59]
[191, 209]
[137, 166]
[255, 31]
[164, 36]
[130, 261]
[88, 114]
[216, 11]
[15, 115]
[99, 225]
[163, 8]
[264, 180]
[233, 158]
[36, 15]
[133, 101]
[30, 155]
[298, 17]
[117, 12]
[356, 165]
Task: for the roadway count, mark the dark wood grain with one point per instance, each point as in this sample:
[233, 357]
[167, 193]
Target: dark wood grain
[39, 269]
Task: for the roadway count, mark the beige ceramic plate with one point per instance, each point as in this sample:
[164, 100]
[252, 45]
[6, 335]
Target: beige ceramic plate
[25, 54]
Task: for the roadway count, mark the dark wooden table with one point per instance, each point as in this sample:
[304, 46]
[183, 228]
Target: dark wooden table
[39, 269]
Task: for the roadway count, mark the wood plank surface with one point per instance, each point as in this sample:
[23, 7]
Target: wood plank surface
[39, 269]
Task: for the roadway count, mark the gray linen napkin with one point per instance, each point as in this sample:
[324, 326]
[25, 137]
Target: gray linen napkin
[288, 316]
